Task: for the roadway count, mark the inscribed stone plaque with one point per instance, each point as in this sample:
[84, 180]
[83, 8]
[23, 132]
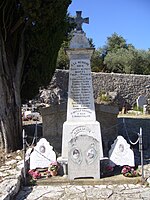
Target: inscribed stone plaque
[42, 155]
[83, 157]
[80, 98]
[120, 153]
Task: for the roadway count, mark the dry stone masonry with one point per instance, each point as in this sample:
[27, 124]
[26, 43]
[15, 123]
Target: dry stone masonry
[127, 87]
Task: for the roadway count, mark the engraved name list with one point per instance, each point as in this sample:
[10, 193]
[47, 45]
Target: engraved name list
[80, 91]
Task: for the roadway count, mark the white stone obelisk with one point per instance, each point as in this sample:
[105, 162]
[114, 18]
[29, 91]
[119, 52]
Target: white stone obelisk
[81, 118]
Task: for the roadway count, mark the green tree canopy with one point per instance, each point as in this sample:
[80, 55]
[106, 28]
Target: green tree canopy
[119, 57]
[62, 59]
[31, 33]
[44, 39]
[116, 56]
[115, 42]
[97, 61]
[127, 60]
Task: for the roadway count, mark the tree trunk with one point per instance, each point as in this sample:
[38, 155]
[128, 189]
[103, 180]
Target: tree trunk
[10, 103]
[10, 117]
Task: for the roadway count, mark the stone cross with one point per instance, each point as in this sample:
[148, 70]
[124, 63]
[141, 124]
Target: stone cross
[79, 20]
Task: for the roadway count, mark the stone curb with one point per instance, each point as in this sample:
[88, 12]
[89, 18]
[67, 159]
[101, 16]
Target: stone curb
[11, 181]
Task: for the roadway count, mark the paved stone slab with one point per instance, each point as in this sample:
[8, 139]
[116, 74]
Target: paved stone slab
[86, 192]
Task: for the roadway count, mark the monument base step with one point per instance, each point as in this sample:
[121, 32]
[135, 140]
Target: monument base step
[117, 179]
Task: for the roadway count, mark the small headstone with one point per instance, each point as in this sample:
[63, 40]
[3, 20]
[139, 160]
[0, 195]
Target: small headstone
[120, 153]
[144, 109]
[141, 101]
[83, 157]
[42, 155]
[27, 112]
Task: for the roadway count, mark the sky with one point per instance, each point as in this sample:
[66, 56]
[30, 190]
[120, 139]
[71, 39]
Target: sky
[128, 18]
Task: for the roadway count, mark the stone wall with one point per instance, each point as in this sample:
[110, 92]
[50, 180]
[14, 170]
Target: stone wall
[54, 116]
[127, 87]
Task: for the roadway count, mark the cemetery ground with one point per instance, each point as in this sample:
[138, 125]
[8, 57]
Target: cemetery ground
[6, 157]
[29, 127]
[115, 178]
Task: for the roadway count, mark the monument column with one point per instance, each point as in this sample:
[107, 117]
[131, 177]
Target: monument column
[81, 118]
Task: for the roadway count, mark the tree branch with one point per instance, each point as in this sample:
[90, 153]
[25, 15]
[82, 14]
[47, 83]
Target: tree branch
[17, 25]
[18, 71]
